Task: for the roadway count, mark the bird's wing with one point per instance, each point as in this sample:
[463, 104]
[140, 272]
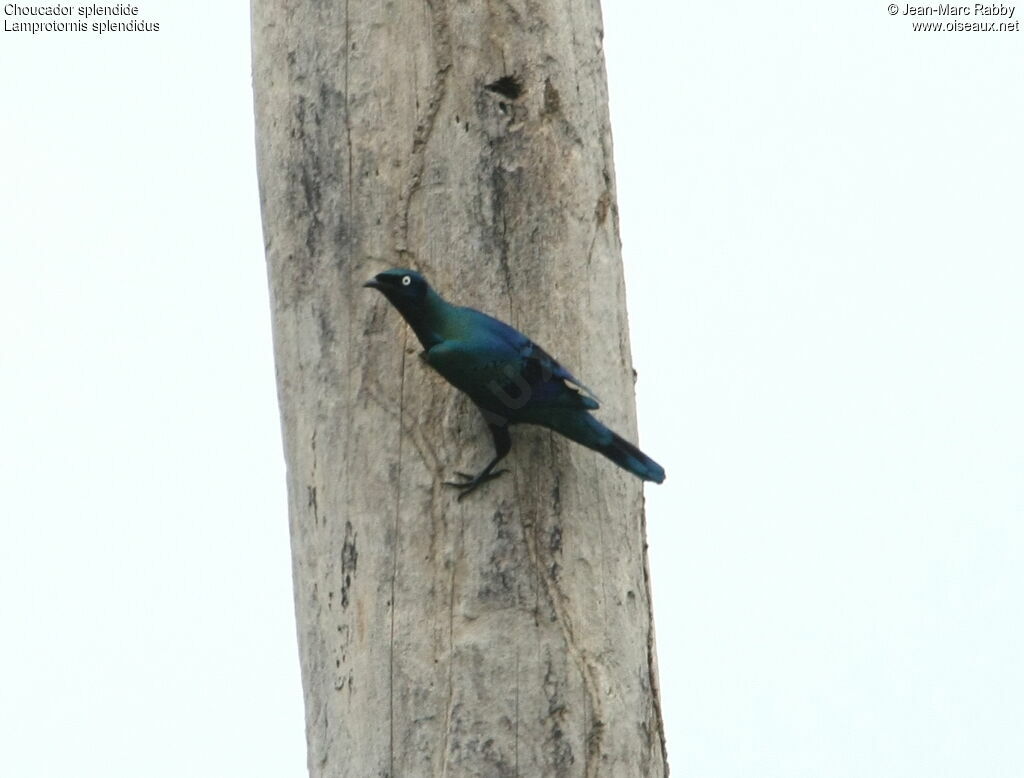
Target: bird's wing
[545, 375]
[539, 361]
[472, 363]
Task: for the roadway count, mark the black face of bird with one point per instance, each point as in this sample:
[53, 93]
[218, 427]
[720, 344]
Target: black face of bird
[405, 289]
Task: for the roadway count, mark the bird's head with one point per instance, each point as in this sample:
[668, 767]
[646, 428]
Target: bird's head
[405, 289]
[400, 284]
[410, 293]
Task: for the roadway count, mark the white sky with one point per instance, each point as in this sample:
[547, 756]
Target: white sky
[822, 220]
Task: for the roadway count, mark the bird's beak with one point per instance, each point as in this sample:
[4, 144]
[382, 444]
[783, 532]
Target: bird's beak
[373, 283]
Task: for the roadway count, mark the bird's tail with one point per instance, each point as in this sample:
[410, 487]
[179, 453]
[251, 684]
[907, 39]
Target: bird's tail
[588, 431]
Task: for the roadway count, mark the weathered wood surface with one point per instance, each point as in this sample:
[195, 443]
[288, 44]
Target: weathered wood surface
[508, 634]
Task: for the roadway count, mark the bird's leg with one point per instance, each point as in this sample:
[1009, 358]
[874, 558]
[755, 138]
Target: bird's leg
[502, 444]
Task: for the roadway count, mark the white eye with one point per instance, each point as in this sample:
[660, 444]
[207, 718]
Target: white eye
[406, 280]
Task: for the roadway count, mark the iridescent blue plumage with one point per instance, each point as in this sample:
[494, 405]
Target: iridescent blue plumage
[509, 377]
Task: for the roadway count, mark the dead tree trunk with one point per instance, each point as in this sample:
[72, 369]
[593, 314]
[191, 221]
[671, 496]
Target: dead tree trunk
[508, 634]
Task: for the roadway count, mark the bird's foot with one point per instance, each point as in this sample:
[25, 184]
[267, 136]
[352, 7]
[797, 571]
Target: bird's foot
[471, 482]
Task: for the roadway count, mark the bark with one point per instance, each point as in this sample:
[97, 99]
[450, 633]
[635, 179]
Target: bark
[510, 633]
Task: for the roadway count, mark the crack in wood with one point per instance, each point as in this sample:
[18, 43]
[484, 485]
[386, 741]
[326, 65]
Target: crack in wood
[439, 86]
[348, 119]
[311, 489]
[394, 562]
[556, 599]
[450, 703]
[652, 667]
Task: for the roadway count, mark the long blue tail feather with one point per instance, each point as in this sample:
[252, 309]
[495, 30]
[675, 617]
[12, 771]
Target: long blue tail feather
[588, 431]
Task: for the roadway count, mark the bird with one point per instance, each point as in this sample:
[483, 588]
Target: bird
[509, 378]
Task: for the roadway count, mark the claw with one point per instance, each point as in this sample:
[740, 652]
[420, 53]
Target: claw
[471, 482]
[502, 442]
